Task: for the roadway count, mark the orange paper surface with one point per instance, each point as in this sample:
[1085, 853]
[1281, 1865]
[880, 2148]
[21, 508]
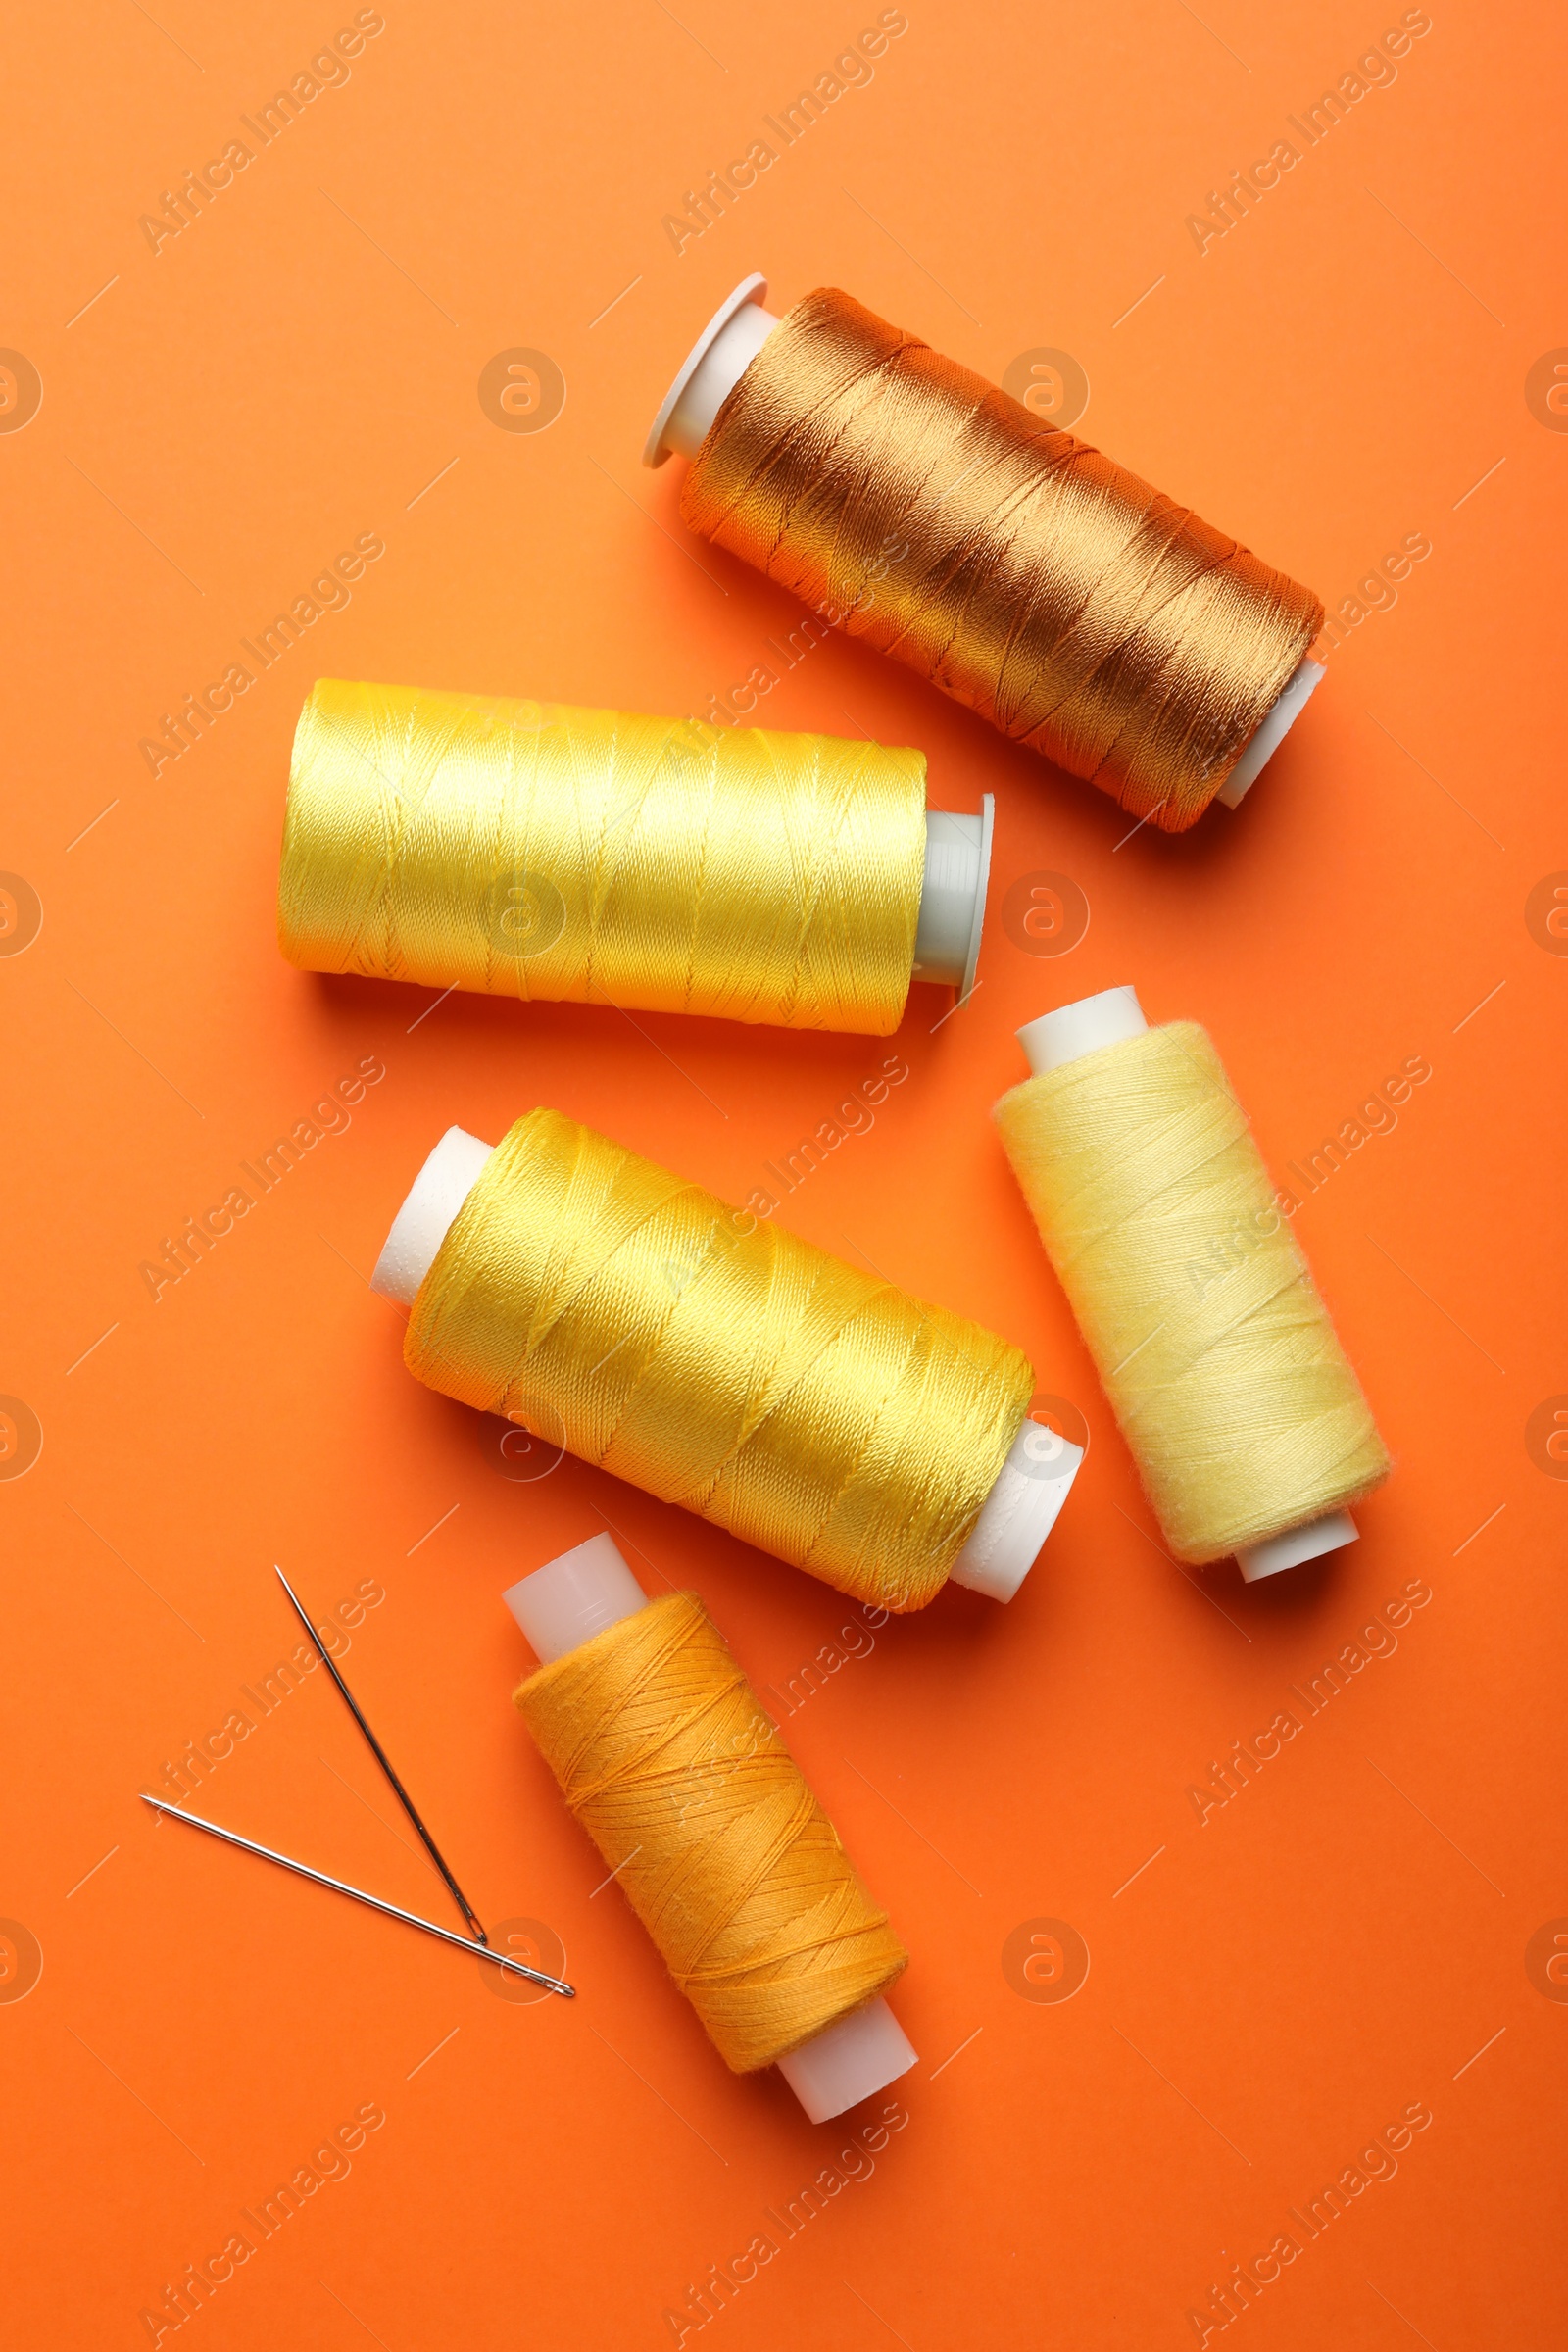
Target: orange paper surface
[1160, 2030]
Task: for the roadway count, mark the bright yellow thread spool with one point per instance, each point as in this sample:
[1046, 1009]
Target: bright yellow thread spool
[718, 1361]
[1217, 1354]
[535, 850]
[682, 1782]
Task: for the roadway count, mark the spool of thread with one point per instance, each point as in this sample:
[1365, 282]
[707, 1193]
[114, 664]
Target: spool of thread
[535, 850]
[720, 1362]
[911, 503]
[683, 1782]
[1244, 1416]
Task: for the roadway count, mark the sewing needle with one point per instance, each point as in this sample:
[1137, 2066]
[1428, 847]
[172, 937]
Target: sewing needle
[381, 1755]
[320, 1878]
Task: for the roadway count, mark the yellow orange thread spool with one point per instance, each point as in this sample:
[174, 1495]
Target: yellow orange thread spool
[914, 505]
[537, 850]
[666, 1758]
[1243, 1415]
[627, 1317]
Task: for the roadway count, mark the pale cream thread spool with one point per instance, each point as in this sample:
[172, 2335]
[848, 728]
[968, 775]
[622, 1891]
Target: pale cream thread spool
[1246, 1419]
[861, 2050]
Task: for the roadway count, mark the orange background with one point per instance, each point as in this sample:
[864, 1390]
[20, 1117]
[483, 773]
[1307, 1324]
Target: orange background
[1281, 1980]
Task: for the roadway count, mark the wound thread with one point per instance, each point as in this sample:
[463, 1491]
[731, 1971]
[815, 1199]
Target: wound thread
[1037, 582]
[666, 1756]
[536, 851]
[1217, 1354]
[719, 1363]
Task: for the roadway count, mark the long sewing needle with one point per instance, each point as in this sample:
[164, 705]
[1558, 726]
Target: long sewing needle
[410, 1918]
[382, 1757]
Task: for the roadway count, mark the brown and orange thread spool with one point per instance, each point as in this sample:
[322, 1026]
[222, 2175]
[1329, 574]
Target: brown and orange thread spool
[912, 504]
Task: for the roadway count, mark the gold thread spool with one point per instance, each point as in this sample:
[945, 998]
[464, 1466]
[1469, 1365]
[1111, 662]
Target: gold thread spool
[719, 1363]
[666, 1758]
[537, 850]
[1082, 613]
[1225, 1376]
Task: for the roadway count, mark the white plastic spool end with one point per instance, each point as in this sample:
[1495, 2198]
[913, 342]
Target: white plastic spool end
[1074, 1030]
[952, 896]
[422, 1224]
[847, 2061]
[1309, 1542]
[1018, 1513]
[1288, 704]
[1066, 1035]
[710, 373]
[565, 1604]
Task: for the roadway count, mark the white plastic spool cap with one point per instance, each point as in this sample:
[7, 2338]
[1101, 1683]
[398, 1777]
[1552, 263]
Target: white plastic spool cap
[847, 2061]
[1288, 706]
[714, 365]
[566, 1603]
[1018, 1513]
[1309, 1542]
[712, 368]
[562, 1605]
[1074, 1030]
[952, 896]
[1064, 1036]
[422, 1224]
